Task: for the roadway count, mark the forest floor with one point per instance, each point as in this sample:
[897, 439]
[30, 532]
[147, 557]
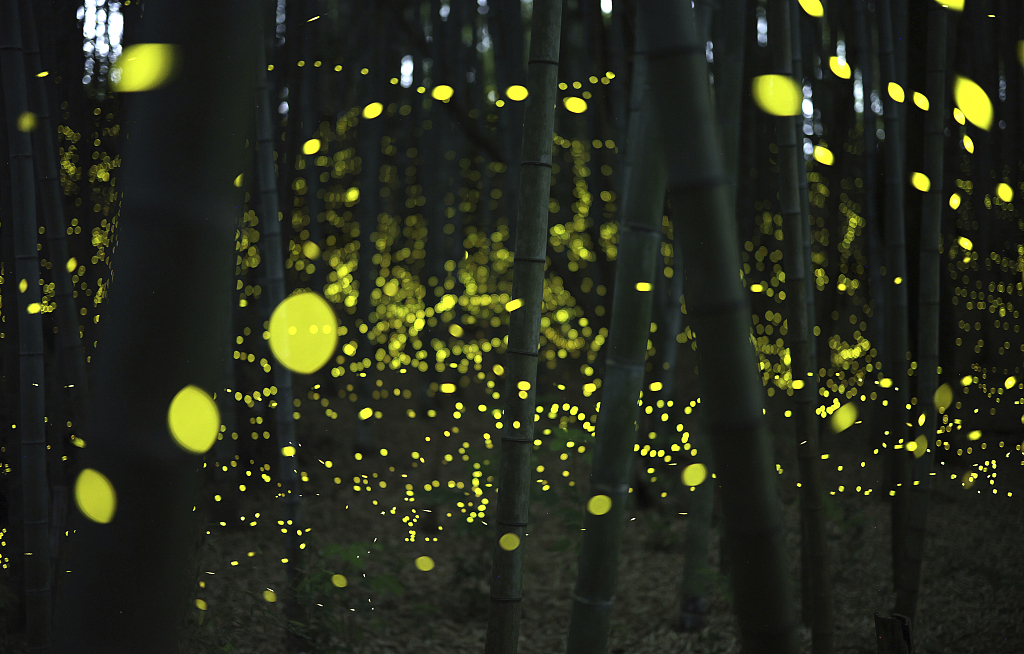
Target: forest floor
[972, 587]
[972, 594]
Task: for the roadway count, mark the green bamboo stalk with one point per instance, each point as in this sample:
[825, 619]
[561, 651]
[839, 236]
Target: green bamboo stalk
[814, 556]
[697, 573]
[35, 491]
[126, 583]
[273, 260]
[639, 244]
[52, 196]
[729, 383]
[513, 504]
[928, 308]
[896, 269]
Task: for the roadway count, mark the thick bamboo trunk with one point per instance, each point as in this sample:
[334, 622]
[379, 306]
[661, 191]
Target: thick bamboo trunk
[638, 254]
[730, 387]
[513, 505]
[928, 308]
[126, 582]
[817, 602]
[31, 404]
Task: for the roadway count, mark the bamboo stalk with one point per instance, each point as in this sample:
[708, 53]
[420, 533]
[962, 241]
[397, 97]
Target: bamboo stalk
[730, 387]
[126, 581]
[31, 409]
[513, 504]
[639, 241]
[814, 554]
[928, 307]
[273, 262]
[896, 269]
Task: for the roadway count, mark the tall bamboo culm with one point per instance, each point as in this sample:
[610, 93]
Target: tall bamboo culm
[640, 237]
[126, 584]
[273, 259]
[31, 405]
[896, 275]
[730, 388]
[513, 504]
[928, 309]
[813, 555]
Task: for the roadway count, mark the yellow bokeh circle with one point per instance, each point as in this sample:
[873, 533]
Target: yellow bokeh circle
[777, 95]
[193, 420]
[269, 595]
[312, 146]
[339, 580]
[442, 92]
[694, 474]
[516, 92]
[844, 417]
[303, 333]
[599, 505]
[973, 102]
[95, 496]
[943, 397]
[508, 542]
[144, 67]
[575, 105]
[424, 563]
[373, 110]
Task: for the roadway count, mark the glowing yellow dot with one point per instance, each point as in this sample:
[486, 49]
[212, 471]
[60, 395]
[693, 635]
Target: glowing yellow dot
[23, 286]
[72, 265]
[599, 504]
[896, 92]
[288, 450]
[269, 595]
[694, 474]
[813, 8]
[974, 435]
[455, 330]
[954, 5]
[442, 92]
[201, 604]
[777, 95]
[352, 194]
[424, 563]
[312, 146]
[193, 420]
[885, 382]
[372, 110]
[656, 386]
[1010, 382]
[798, 384]
[523, 385]
[311, 250]
[954, 202]
[965, 243]
[823, 155]
[516, 92]
[498, 370]
[513, 305]
[844, 417]
[144, 67]
[840, 68]
[968, 144]
[921, 101]
[448, 388]
[756, 288]
[966, 381]
[574, 104]
[973, 102]
[365, 413]
[95, 496]
[34, 307]
[27, 122]
[508, 542]
[643, 287]
[1004, 192]
[943, 397]
[239, 180]
[958, 115]
[920, 181]
[339, 580]
[297, 349]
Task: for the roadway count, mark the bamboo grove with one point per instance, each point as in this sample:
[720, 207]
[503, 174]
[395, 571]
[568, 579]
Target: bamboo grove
[623, 252]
